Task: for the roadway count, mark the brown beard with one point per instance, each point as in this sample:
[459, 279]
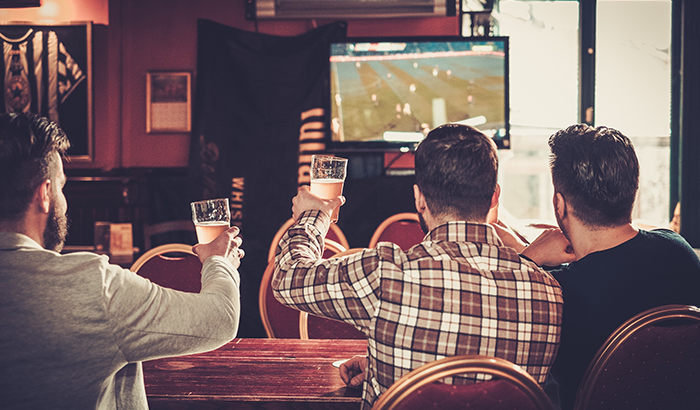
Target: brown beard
[56, 229]
[423, 225]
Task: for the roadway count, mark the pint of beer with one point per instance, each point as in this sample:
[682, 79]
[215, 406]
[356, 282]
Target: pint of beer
[327, 178]
[211, 217]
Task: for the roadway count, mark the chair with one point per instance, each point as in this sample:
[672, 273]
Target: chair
[181, 231]
[347, 252]
[652, 361]
[332, 248]
[281, 321]
[172, 265]
[319, 327]
[402, 229]
[510, 388]
[334, 233]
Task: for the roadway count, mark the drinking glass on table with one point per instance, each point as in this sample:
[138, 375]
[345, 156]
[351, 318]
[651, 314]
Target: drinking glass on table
[211, 217]
[327, 178]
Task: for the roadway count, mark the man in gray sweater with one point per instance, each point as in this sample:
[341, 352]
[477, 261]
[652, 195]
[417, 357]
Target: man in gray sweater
[75, 328]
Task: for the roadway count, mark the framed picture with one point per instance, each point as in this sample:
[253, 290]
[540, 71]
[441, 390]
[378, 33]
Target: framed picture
[47, 70]
[6, 4]
[168, 102]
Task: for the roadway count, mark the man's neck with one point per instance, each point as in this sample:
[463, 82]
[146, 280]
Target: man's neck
[32, 230]
[441, 219]
[586, 239]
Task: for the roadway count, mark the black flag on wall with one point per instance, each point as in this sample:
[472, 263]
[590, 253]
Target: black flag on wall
[251, 91]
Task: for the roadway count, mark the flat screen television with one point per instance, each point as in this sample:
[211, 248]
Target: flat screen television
[387, 93]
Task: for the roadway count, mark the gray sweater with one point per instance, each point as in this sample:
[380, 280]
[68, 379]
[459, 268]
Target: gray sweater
[74, 328]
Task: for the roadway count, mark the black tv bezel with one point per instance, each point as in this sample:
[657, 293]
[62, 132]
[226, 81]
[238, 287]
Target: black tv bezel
[381, 146]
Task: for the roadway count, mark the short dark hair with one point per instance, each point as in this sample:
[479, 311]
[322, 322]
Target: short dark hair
[457, 170]
[27, 144]
[597, 172]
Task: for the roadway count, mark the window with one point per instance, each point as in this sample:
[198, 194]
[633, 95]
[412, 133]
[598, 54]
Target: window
[543, 97]
[632, 93]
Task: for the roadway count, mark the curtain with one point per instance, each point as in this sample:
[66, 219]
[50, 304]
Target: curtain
[251, 91]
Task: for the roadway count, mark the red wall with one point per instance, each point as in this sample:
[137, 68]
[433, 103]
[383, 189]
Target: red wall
[155, 35]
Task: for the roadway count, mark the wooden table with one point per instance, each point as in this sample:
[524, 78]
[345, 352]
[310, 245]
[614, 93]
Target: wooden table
[255, 373]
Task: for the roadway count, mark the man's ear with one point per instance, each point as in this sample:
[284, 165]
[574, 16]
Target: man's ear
[559, 205]
[419, 199]
[42, 196]
[492, 216]
[496, 196]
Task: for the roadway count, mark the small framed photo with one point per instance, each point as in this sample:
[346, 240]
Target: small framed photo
[168, 101]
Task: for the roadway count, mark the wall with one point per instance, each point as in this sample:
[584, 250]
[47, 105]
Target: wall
[107, 141]
[132, 37]
[162, 35]
[55, 11]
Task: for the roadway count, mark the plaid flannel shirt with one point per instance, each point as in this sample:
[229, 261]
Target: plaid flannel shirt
[459, 292]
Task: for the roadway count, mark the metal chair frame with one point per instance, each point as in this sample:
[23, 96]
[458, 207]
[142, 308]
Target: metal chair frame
[404, 216]
[304, 326]
[451, 366]
[304, 316]
[265, 282]
[159, 250]
[262, 299]
[149, 230]
[334, 230]
[618, 338]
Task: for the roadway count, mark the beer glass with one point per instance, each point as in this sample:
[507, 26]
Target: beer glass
[328, 177]
[211, 217]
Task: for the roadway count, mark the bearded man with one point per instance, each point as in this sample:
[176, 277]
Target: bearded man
[75, 328]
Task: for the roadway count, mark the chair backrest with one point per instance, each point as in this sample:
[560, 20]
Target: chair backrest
[347, 252]
[652, 361]
[402, 229]
[281, 321]
[172, 265]
[335, 234]
[509, 388]
[319, 327]
[180, 231]
[277, 237]
[332, 248]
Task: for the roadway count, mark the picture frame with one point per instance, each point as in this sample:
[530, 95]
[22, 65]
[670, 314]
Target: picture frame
[63, 92]
[6, 4]
[168, 101]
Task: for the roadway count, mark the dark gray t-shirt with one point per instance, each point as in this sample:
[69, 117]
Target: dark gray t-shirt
[606, 288]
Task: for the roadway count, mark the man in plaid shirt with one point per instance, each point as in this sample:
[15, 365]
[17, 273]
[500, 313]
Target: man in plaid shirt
[459, 292]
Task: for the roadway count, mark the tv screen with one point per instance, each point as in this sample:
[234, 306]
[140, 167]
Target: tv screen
[388, 93]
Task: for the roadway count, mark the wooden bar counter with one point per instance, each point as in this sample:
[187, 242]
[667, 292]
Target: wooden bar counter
[255, 374]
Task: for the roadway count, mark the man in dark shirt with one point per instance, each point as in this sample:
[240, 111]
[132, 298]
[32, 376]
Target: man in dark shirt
[619, 271]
